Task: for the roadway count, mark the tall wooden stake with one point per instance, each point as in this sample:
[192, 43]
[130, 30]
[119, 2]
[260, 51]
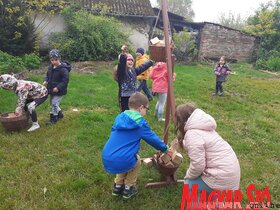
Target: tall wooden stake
[170, 106]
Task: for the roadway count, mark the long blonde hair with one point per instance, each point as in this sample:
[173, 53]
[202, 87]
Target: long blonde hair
[182, 114]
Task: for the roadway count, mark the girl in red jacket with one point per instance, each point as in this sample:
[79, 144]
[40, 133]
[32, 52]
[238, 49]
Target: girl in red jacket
[159, 77]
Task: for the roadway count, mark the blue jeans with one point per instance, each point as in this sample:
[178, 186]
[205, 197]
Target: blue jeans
[143, 86]
[55, 102]
[201, 186]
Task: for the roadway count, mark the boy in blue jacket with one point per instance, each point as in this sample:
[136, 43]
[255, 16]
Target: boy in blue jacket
[120, 153]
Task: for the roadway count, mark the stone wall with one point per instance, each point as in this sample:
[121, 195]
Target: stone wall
[216, 40]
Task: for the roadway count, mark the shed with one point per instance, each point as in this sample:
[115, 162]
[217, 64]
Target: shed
[214, 40]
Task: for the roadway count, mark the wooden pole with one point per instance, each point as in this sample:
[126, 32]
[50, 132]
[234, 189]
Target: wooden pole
[170, 106]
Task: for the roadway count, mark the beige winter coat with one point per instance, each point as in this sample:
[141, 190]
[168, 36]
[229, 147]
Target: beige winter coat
[211, 157]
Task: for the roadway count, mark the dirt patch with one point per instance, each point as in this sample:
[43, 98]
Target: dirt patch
[91, 67]
[87, 67]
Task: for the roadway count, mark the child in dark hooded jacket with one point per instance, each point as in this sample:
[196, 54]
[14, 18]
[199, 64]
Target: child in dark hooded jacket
[56, 81]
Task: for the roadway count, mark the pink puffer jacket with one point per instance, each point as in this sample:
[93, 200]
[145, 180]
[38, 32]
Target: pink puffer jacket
[211, 157]
[159, 77]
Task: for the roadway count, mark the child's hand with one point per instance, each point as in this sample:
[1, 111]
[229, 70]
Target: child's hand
[45, 83]
[55, 90]
[18, 111]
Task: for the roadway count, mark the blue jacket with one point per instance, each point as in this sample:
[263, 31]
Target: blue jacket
[127, 77]
[58, 77]
[119, 153]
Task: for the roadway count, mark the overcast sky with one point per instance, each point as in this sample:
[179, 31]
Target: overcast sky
[210, 10]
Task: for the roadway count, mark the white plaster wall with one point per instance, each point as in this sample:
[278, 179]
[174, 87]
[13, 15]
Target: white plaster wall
[48, 24]
[138, 36]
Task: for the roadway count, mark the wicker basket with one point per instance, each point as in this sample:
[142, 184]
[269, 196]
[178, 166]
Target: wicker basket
[13, 123]
[157, 53]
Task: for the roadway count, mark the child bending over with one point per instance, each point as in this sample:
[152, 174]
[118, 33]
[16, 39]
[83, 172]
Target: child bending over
[30, 95]
[213, 163]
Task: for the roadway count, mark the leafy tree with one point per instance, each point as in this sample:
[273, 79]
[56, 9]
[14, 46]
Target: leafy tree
[180, 7]
[18, 33]
[265, 24]
[16, 29]
[231, 20]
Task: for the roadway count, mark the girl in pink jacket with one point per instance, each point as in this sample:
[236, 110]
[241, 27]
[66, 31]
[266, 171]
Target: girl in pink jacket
[213, 163]
[159, 77]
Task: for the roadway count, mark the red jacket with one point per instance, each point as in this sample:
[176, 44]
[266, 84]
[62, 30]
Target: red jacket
[159, 77]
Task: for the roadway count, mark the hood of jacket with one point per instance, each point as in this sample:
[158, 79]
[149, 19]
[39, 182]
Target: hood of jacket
[201, 121]
[128, 120]
[160, 68]
[64, 64]
[8, 82]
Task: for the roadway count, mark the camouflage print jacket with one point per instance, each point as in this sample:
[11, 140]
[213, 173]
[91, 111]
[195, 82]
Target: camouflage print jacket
[28, 90]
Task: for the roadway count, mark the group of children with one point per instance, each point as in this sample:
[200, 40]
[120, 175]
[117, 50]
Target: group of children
[213, 163]
[132, 78]
[32, 94]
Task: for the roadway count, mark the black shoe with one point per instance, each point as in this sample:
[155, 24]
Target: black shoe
[60, 115]
[117, 190]
[53, 119]
[127, 194]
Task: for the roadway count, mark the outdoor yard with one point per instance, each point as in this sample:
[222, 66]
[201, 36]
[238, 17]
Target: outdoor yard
[60, 166]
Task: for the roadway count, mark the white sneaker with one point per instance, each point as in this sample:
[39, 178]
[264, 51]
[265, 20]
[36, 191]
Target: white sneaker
[35, 126]
[161, 120]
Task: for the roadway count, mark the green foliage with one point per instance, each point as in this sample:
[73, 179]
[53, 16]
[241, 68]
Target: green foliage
[14, 64]
[88, 37]
[231, 20]
[17, 34]
[265, 24]
[273, 63]
[185, 43]
[31, 61]
[180, 7]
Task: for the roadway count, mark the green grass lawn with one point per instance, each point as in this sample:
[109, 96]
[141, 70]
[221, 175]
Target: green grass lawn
[64, 160]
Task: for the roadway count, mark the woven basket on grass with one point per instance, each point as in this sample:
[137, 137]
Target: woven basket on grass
[14, 123]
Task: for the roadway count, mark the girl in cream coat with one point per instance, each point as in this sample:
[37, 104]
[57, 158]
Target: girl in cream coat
[213, 163]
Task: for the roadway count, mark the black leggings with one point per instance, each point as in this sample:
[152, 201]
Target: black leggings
[219, 86]
[123, 103]
[38, 101]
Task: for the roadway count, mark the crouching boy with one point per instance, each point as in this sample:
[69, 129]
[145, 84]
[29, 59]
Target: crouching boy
[120, 153]
[30, 95]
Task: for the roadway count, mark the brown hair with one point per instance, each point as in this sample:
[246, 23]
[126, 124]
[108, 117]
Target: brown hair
[182, 114]
[137, 99]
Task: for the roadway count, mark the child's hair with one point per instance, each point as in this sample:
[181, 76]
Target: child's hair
[223, 58]
[182, 114]
[137, 99]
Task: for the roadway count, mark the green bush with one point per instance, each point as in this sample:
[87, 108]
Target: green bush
[14, 64]
[17, 31]
[273, 63]
[31, 61]
[185, 43]
[88, 37]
